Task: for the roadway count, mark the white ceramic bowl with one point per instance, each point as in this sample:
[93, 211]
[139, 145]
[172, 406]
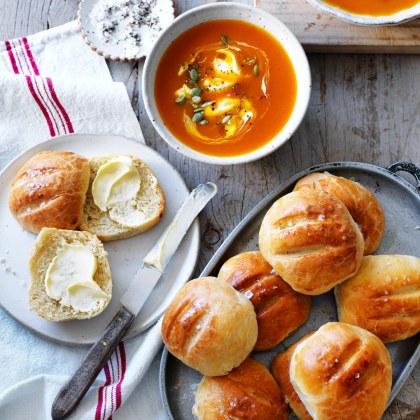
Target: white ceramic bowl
[365, 20]
[234, 11]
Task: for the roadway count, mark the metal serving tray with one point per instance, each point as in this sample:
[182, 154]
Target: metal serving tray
[401, 203]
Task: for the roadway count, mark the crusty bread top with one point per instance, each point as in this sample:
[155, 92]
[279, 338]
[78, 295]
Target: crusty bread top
[210, 326]
[311, 241]
[342, 372]
[361, 203]
[149, 200]
[280, 367]
[280, 310]
[49, 191]
[249, 392]
[383, 297]
[48, 244]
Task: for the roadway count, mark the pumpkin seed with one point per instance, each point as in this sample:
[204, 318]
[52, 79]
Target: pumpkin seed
[196, 99]
[181, 99]
[198, 117]
[203, 122]
[207, 104]
[199, 109]
[226, 119]
[224, 39]
[194, 74]
[256, 70]
[195, 91]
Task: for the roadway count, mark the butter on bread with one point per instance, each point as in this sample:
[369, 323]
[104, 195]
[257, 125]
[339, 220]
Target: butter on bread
[383, 297]
[49, 191]
[311, 240]
[280, 310]
[141, 212]
[48, 245]
[364, 207]
[342, 372]
[248, 392]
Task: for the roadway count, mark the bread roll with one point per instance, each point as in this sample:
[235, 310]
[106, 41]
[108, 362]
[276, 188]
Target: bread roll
[311, 241]
[48, 244]
[249, 392]
[149, 202]
[49, 191]
[360, 202]
[210, 326]
[342, 372]
[383, 297]
[280, 310]
[280, 367]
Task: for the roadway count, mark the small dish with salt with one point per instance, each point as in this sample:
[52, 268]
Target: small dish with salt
[123, 30]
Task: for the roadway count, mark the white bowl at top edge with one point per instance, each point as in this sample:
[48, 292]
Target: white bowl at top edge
[233, 11]
[366, 20]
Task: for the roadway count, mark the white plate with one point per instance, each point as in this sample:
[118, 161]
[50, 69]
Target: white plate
[125, 256]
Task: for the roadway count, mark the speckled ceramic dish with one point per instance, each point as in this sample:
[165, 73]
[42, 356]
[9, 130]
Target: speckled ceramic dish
[88, 21]
[366, 20]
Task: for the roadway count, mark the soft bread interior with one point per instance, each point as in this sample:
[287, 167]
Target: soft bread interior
[50, 241]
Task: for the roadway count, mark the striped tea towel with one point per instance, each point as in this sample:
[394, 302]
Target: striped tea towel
[52, 84]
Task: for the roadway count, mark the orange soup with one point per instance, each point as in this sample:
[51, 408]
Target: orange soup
[373, 7]
[225, 88]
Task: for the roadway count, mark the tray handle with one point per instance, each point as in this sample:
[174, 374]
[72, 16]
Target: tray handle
[406, 167]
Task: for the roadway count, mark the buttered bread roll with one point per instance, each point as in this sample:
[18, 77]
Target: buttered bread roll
[49, 191]
[360, 202]
[70, 275]
[311, 240]
[210, 326]
[342, 372]
[280, 367]
[124, 198]
[280, 310]
[249, 392]
[383, 297]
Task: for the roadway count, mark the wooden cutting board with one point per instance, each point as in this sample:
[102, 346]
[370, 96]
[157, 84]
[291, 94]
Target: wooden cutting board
[323, 33]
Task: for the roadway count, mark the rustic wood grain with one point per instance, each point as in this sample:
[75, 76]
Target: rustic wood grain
[319, 32]
[363, 108]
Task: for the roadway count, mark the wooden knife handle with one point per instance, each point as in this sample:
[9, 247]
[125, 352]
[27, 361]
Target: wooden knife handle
[75, 389]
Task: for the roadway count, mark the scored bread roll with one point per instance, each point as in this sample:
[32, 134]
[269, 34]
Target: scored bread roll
[148, 204]
[311, 241]
[47, 246]
[49, 191]
[210, 326]
[360, 202]
[383, 297]
[249, 392]
[280, 367]
[280, 310]
[342, 371]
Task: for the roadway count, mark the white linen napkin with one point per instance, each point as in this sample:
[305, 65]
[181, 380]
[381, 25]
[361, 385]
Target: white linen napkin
[52, 84]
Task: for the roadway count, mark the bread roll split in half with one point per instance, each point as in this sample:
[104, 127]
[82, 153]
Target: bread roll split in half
[126, 218]
[342, 372]
[47, 246]
[311, 240]
[249, 392]
[280, 310]
[49, 191]
[210, 326]
[360, 202]
[383, 297]
[280, 369]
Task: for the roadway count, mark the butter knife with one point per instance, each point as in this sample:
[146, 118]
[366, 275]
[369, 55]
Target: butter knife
[132, 301]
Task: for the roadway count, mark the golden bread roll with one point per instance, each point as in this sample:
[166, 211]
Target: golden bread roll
[280, 367]
[249, 392]
[311, 241]
[383, 297]
[49, 191]
[280, 310]
[210, 326]
[342, 372]
[360, 202]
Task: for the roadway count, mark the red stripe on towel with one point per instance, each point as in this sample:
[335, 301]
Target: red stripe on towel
[101, 394]
[11, 57]
[30, 56]
[107, 383]
[121, 349]
[60, 107]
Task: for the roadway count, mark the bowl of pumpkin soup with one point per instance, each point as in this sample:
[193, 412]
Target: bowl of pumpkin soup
[371, 12]
[226, 83]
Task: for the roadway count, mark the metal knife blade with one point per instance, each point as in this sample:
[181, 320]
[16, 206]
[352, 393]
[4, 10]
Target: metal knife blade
[132, 301]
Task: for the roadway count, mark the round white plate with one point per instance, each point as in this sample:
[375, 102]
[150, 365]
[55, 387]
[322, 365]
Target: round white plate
[125, 256]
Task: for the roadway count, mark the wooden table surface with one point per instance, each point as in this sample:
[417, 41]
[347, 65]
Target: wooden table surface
[363, 108]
